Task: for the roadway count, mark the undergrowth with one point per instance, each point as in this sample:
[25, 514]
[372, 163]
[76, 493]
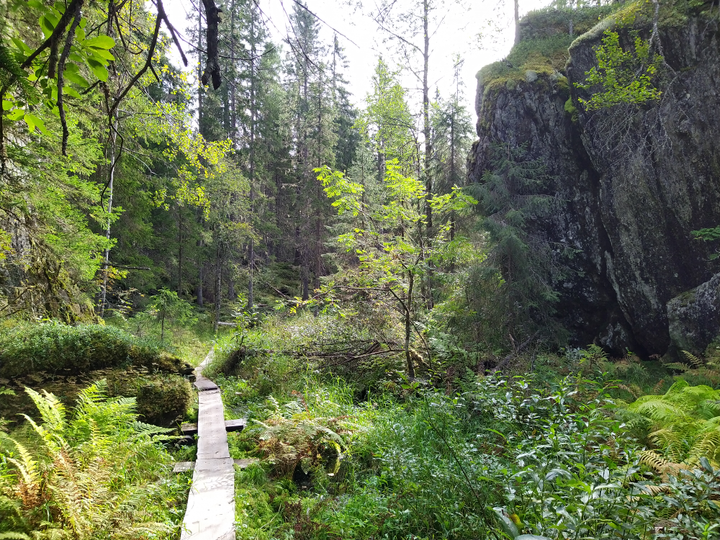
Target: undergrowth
[57, 347]
[97, 473]
[487, 457]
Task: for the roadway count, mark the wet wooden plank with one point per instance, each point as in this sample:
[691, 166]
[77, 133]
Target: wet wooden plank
[210, 513]
[188, 429]
[230, 425]
[235, 425]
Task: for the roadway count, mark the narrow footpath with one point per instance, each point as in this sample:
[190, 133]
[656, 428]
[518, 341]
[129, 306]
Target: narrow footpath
[210, 513]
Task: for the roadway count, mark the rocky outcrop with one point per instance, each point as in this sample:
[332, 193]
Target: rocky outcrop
[633, 181]
[694, 317]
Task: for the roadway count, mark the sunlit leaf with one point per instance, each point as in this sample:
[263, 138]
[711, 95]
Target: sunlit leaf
[21, 46]
[98, 69]
[100, 42]
[48, 22]
[102, 56]
[17, 114]
[34, 122]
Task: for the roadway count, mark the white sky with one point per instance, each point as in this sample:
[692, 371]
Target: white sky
[459, 33]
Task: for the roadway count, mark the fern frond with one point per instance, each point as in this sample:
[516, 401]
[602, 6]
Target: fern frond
[679, 366]
[654, 489]
[26, 466]
[672, 442]
[695, 362]
[659, 410]
[653, 460]
[13, 536]
[707, 444]
[50, 408]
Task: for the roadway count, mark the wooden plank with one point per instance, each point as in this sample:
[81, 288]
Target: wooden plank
[183, 466]
[188, 429]
[230, 425]
[235, 425]
[204, 384]
[245, 463]
[210, 513]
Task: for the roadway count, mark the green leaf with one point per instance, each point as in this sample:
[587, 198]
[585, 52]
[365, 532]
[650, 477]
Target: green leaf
[34, 122]
[69, 91]
[48, 22]
[15, 115]
[98, 69]
[76, 78]
[102, 56]
[100, 42]
[553, 474]
[80, 34]
[35, 4]
[509, 528]
[531, 537]
[7, 105]
[21, 46]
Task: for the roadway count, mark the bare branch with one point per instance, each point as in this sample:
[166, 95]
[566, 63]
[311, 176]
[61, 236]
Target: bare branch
[61, 79]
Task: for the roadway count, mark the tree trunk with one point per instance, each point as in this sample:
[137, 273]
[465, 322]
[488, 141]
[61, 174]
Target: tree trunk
[408, 327]
[253, 113]
[199, 290]
[218, 288]
[111, 181]
[181, 251]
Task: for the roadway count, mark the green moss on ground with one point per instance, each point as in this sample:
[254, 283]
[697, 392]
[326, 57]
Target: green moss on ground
[71, 350]
[162, 398]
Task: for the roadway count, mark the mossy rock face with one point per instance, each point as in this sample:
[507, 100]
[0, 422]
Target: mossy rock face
[162, 399]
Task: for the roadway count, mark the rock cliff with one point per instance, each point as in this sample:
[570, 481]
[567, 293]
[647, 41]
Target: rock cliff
[631, 181]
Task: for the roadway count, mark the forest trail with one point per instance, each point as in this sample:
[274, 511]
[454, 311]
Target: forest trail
[210, 513]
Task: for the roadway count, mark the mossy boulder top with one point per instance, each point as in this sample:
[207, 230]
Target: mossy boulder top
[60, 348]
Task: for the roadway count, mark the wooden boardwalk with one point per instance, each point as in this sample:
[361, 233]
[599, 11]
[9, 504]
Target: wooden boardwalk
[210, 513]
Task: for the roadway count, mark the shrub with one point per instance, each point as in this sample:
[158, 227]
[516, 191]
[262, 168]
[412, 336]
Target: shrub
[162, 398]
[56, 347]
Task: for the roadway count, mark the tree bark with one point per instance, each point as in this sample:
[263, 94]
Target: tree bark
[408, 327]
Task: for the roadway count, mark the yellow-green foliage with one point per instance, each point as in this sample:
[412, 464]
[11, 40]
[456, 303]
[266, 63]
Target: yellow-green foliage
[685, 422]
[91, 475]
[543, 47]
[294, 435]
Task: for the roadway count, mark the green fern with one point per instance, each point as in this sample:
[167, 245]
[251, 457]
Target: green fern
[93, 472]
[685, 422]
[694, 361]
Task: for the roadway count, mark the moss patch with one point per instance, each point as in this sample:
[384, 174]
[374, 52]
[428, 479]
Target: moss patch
[162, 398]
[71, 350]
[543, 47]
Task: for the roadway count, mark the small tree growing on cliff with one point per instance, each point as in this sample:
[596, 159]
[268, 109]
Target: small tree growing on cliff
[624, 76]
[388, 239]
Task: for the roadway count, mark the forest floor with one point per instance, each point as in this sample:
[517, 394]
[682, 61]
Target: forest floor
[570, 445]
